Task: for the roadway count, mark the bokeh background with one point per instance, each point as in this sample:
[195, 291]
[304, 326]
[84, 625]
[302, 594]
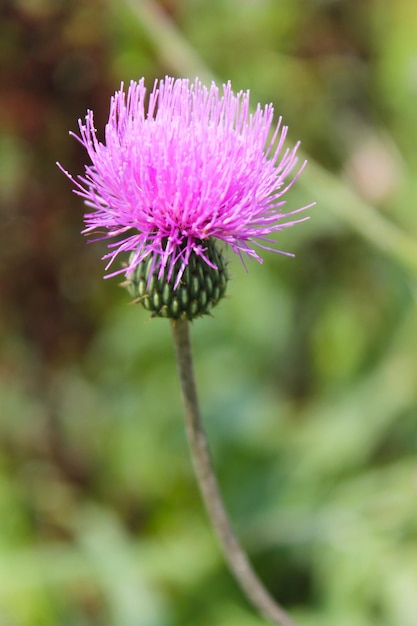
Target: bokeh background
[307, 372]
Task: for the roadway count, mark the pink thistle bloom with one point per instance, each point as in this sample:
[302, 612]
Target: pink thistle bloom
[192, 164]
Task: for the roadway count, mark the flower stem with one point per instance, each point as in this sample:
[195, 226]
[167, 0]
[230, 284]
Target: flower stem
[234, 554]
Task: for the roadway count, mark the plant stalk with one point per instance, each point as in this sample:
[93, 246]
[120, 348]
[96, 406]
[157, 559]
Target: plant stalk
[233, 552]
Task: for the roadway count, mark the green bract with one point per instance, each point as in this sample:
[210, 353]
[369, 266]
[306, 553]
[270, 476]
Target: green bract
[200, 288]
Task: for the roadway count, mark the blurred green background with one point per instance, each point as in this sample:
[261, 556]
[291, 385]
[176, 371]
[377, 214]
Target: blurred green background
[307, 372]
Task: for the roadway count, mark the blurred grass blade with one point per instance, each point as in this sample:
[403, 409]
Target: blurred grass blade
[319, 184]
[341, 200]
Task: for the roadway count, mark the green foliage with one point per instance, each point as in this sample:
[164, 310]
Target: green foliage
[307, 372]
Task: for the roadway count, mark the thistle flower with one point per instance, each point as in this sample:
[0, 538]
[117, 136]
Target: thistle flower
[171, 181]
[174, 177]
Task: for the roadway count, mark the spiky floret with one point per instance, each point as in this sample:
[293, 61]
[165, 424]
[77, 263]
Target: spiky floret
[199, 290]
[193, 164]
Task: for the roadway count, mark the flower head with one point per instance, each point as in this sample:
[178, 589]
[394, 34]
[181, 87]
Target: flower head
[190, 166]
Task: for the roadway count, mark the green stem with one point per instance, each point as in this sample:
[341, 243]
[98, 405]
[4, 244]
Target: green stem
[235, 556]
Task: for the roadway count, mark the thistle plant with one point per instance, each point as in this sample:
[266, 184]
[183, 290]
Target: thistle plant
[180, 178]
